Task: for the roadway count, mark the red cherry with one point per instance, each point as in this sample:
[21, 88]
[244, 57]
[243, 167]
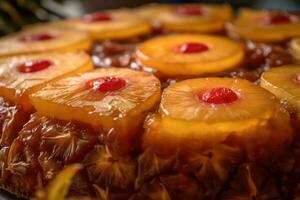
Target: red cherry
[37, 37]
[279, 19]
[106, 84]
[188, 10]
[191, 47]
[297, 79]
[34, 66]
[97, 17]
[219, 96]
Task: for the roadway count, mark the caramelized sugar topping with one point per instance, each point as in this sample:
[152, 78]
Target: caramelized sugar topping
[106, 84]
[34, 66]
[191, 47]
[97, 17]
[219, 96]
[188, 10]
[37, 38]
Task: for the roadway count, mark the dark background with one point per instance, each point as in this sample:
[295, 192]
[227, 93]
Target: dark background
[93, 5]
[275, 4]
[14, 14]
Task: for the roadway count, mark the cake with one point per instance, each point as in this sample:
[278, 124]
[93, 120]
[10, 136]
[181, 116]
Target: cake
[160, 102]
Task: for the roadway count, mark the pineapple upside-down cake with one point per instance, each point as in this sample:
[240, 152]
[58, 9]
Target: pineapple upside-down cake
[160, 102]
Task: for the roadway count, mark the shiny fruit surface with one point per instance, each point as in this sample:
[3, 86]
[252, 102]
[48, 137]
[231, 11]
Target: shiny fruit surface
[199, 113]
[197, 18]
[264, 26]
[140, 93]
[44, 39]
[22, 75]
[116, 25]
[106, 84]
[190, 54]
[114, 101]
[284, 82]
[34, 66]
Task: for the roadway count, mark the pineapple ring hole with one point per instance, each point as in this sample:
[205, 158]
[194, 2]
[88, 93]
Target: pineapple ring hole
[188, 10]
[296, 79]
[191, 47]
[280, 18]
[97, 17]
[37, 38]
[106, 84]
[221, 95]
[34, 66]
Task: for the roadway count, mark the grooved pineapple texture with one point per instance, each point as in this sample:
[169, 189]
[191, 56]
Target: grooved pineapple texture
[170, 102]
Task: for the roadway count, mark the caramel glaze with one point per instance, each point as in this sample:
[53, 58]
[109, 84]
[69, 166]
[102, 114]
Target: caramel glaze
[200, 175]
[12, 119]
[260, 57]
[44, 146]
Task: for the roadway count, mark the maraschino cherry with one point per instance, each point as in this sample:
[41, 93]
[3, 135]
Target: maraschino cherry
[220, 95]
[97, 17]
[106, 84]
[191, 47]
[280, 18]
[34, 66]
[37, 38]
[188, 10]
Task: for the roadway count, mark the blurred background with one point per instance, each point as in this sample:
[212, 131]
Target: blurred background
[16, 13]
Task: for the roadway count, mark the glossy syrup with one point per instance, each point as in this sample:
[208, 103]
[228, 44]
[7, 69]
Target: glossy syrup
[45, 145]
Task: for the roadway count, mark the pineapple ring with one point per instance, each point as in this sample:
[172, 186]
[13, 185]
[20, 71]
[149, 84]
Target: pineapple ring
[158, 53]
[16, 84]
[201, 18]
[284, 83]
[100, 99]
[70, 99]
[51, 39]
[185, 121]
[253, 25]
[122, 25]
